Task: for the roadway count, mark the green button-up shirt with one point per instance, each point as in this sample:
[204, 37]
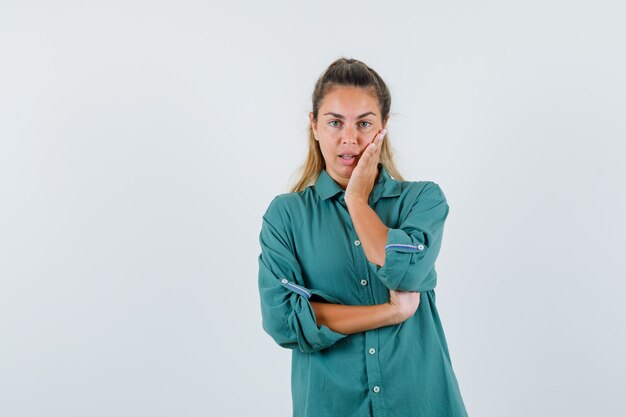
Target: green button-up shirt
[310, 251]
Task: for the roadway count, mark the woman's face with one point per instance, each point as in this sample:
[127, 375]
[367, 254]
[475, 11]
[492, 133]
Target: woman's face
[348, 120]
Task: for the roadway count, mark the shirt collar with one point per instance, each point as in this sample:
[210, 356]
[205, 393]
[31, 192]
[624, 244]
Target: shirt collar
[385, 186]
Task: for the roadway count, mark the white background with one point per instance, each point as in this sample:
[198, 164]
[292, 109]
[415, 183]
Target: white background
[140, 143]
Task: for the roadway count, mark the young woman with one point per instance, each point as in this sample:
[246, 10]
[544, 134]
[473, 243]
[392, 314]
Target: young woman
[346, 270]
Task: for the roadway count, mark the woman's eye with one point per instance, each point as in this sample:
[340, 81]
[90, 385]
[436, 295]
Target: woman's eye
[363, 124]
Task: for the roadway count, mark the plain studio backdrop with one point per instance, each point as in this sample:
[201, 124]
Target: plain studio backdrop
[141, 143]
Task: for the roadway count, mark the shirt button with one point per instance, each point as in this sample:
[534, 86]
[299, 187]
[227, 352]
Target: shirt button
[420, 247]
[363, 282]
[284, 281]
[376, 388]
[372, 351]
[357, 242]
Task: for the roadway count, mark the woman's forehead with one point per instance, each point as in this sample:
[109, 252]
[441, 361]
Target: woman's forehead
[351, 102]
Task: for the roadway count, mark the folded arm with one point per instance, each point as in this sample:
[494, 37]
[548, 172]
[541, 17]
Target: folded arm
[287, 315]
[354, 319]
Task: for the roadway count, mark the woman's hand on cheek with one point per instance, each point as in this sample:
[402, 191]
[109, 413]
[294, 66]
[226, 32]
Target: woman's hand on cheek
[364, 173]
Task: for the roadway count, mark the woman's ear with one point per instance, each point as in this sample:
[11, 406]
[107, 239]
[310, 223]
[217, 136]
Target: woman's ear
[385, 122]
[313, 125]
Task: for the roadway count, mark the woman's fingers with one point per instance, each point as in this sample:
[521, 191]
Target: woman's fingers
[375, 144]
[374, 147]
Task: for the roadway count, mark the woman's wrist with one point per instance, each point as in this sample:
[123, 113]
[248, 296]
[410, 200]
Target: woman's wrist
[387, 313]
[394, 315]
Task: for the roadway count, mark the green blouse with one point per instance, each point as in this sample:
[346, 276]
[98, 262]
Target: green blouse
[311, 252]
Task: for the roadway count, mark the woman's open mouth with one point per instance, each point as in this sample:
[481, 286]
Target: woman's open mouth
[348, 159]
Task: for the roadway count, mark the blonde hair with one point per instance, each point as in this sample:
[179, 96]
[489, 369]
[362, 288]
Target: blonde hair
[345, 72]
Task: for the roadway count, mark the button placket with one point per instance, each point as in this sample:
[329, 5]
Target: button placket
[372, 365]
[371, 337]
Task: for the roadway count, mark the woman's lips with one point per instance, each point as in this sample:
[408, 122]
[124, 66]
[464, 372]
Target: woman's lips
[348, 161]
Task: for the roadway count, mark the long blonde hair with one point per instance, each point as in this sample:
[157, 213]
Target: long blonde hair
[345, 72]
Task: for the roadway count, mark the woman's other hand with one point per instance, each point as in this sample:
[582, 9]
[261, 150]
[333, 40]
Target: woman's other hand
[404, 303]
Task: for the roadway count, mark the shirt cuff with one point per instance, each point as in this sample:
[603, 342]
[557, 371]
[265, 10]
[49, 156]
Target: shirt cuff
[309, 335]
[403, 253]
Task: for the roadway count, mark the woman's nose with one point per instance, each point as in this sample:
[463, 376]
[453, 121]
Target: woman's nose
[350, 136]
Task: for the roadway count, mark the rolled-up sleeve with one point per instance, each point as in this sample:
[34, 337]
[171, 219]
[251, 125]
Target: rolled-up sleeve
[287, 314]
[412, 248]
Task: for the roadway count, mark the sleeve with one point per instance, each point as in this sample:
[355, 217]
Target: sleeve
[412, 248]
[287, 314]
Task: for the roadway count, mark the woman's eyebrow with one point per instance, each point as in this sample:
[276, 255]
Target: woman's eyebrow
[339, 116]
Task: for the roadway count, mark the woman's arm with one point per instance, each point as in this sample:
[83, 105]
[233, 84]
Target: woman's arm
[348, 319]
[353, 319]
[369, 228]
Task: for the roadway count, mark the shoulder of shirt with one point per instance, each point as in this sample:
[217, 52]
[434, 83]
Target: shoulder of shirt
[281, 208]
[421, 189]
[291, 198]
